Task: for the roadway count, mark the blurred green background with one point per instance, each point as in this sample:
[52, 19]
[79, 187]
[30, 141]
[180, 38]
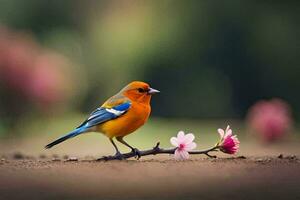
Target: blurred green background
[211, 60]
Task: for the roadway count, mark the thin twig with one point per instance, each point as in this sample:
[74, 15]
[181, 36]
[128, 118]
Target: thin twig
[156, 150]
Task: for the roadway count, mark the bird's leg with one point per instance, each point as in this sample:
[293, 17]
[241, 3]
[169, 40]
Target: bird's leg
[118, 154]
[135, 150]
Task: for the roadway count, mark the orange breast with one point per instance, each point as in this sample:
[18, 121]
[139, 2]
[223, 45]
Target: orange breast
[134, 118]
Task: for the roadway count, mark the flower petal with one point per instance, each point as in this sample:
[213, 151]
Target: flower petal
[181, 154]
[227, 128]
[189, 138]
[184, 155]
[174, 141]
[190, 146]
[221, 132]
[228, 133]
[176, 155]
[180, 136]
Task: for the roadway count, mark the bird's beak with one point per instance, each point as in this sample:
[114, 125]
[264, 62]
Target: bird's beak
[153, 91]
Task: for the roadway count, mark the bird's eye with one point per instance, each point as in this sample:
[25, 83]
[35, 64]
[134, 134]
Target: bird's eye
[141, 90]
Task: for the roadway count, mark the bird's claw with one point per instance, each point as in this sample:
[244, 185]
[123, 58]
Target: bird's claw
[119, 156]
[137, 153]
[105, 158]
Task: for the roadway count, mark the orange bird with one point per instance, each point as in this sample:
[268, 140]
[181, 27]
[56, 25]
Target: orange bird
[119, 116]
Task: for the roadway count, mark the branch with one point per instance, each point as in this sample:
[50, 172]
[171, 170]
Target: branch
[156, 150]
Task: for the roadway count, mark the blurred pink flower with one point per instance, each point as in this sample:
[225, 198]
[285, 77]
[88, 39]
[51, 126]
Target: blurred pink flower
[228, 143]
[27, 69]
[49, 83]
[16, 59]
[270, 119]
[184, 143]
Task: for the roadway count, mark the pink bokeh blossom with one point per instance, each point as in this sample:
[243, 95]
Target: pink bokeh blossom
[270, 119]
[49, 83]
[40, 76]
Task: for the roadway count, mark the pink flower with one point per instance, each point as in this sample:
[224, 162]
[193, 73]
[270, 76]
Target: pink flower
[228, 143]
[184, 143]
[39, 76]
[17, 56]
[270, 119]
[50, 83]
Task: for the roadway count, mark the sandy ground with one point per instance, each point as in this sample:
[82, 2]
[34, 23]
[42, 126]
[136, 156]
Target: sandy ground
[36, 174]
[159, 177]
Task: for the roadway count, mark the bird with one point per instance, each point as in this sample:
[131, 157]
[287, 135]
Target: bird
[117, 117]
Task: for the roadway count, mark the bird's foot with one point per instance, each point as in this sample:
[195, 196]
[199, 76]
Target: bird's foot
[105, 158]
[117, 156]
[137, 153]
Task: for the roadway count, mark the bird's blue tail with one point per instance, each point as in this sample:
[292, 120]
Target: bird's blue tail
[65, 137]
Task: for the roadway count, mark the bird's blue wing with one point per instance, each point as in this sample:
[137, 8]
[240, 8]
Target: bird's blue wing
[111, 109]
[104, 114]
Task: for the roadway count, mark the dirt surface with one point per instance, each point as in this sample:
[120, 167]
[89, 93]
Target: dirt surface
[159, 177]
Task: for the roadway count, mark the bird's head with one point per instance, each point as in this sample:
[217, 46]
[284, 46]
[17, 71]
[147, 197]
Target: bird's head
[139, 91]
